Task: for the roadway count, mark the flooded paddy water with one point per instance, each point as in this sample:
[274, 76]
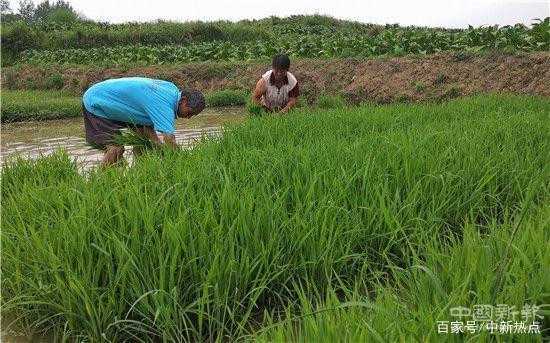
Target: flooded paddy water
[41, 138]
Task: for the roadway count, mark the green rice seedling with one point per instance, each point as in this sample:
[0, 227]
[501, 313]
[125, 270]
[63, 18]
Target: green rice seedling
[255, 109]
[390, 214]
[326, 101]
[226, 98]
[129, 137]
[18, 105]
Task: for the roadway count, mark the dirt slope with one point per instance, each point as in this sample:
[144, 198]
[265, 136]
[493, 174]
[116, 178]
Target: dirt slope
[380, 80]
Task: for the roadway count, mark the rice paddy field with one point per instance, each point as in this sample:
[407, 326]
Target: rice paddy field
[351, 224]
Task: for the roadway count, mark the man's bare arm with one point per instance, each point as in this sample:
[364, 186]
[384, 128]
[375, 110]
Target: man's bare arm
[149, 132]
[169, 140]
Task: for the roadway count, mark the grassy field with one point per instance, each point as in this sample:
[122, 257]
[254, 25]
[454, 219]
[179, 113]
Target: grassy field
[24, 105]
[350, 224]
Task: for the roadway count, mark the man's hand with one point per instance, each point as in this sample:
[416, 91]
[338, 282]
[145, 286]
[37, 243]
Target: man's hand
[149, 133]
[158, 139]
[291, 103]
[169, 140]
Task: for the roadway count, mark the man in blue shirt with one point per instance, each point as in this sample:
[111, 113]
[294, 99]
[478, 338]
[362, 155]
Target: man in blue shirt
[148, 106]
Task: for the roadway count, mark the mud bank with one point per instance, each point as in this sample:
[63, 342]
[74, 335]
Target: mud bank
[381, 80]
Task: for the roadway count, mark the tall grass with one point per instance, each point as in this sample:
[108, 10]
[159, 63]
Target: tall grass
[281, 215]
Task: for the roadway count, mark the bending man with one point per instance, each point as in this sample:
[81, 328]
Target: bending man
[148, 106]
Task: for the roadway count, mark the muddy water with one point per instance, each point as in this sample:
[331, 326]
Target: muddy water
[35, 139]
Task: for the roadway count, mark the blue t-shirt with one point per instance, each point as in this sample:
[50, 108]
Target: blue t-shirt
[135, 100]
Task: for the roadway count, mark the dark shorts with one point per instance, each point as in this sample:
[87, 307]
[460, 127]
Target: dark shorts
[100, 131]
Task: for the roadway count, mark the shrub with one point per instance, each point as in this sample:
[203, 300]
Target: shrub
[403, 98]
[17, 37]
[440, 79]
[244, 33]
[455, 91]
[54, 81]
[300, 36]
[460, 56]
[62, 16]
[31, 83]
[210, 69]
[419, 86]
[9, 79]
[452, 92]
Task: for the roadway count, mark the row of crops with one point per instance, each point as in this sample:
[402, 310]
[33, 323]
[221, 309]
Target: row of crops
[312, 41]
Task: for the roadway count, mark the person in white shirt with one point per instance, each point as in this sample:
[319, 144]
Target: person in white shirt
[277, 90]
